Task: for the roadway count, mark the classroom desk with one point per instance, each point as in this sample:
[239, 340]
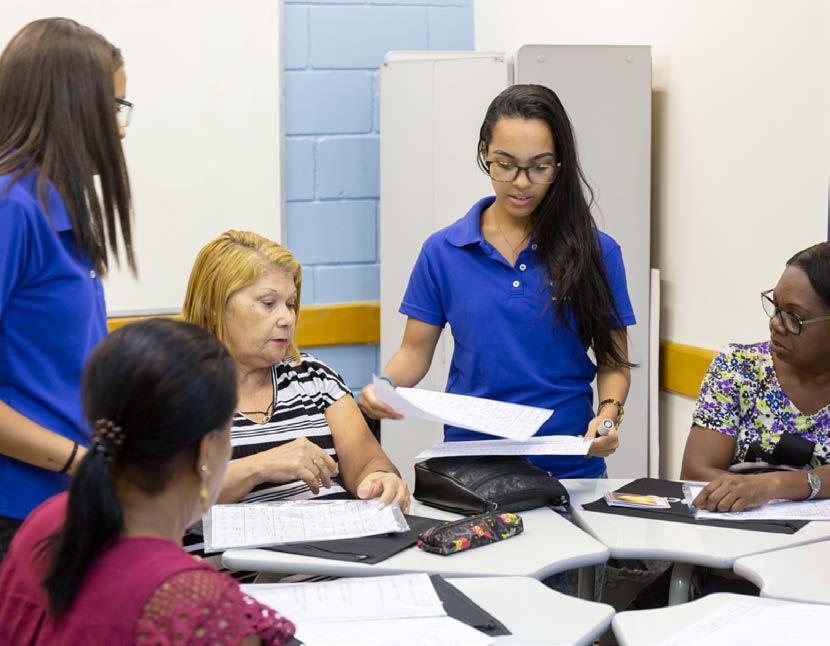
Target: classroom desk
[644, 627]
[685, 544]
[549, 544]
[534, 613]
[796, 574]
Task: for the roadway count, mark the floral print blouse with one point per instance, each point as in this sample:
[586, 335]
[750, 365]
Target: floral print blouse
[741, 397]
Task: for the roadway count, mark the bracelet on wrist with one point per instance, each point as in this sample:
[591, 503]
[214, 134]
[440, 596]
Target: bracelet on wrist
[388, 380]
[71, 459]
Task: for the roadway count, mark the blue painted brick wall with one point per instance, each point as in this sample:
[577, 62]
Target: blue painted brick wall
[333, 50]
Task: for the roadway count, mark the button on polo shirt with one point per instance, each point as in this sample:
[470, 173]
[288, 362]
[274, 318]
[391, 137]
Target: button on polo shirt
[52, 313]
[507, 346]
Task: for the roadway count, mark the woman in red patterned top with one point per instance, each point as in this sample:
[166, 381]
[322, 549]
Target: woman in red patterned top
[103, 564]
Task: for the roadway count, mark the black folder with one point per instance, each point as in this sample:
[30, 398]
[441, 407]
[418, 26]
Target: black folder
[680, 512]
[366, 549]
[459, 606]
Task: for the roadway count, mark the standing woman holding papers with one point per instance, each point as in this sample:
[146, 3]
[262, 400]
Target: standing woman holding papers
[62, 115]
[528, 285]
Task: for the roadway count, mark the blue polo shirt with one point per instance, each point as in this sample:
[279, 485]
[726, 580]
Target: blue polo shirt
[52, 314]
[507, 346]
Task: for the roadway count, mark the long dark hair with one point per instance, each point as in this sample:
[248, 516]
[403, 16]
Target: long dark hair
[57, 117]
[815, 262]
[166, 384]
[563, 225]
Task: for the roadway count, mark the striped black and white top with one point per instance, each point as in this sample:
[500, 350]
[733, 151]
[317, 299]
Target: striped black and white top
[304, 392]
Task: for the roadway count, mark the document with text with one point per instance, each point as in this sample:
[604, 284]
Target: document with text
[548, 445]
[502, 419]
[296, 521]
[774, 510]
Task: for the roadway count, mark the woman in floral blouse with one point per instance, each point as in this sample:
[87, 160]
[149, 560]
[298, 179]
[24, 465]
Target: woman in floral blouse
[755, 395]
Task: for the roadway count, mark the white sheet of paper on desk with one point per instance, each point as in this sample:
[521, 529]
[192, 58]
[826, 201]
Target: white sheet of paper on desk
[502, 419]
[429, 631]
[296, 521]
[402, 596]
[817, 510]
[750, 624]
[547, 445]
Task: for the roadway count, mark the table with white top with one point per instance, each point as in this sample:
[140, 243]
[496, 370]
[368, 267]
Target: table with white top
[651, 627]
[534, 613]
[685, 544]
[548, 545]
[795, 574]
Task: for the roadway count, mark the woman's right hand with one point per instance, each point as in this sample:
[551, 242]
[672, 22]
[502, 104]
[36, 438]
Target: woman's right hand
[299, 459]
[373, 407]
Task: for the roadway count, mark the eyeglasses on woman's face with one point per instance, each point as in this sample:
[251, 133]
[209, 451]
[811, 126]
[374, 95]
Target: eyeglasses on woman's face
[123, 112]
[504, 171]
[791, 322]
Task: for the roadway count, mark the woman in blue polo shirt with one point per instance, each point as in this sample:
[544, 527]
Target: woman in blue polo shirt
[62, 114]
[527, 284]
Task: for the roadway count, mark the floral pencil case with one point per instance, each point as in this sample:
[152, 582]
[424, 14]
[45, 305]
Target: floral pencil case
[459, 535]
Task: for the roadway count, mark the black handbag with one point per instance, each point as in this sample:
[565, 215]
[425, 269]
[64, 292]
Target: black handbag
[478, 484]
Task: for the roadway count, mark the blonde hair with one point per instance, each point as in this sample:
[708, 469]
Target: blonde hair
[227, 264]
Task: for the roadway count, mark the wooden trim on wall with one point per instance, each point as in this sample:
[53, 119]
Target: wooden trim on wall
[319, 325]
[682, 367]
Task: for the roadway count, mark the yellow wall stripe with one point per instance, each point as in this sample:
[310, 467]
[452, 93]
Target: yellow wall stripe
[681, 366]
[337, 324]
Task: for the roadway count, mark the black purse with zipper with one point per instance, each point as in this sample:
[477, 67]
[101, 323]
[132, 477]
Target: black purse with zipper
[478, 484]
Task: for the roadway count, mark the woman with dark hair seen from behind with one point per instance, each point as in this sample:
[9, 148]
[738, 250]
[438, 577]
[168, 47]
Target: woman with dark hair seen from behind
[527, 284]
[62, 115]
[766, 405]
[103, 564]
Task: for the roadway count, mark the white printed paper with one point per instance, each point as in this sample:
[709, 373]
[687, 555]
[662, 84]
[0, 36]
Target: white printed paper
[296, 521]
[547, 445]
[773, 510]
[403, 596]
[751, 624]
[502, 419]
[430, 631]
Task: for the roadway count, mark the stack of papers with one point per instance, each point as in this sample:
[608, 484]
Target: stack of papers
[384, 610]
[773, 510]
[297, 521]
[501, 419]
[546, 445]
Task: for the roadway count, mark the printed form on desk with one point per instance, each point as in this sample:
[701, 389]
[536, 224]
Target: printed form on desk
[384, 610]
[547, 445]
[502, 419]
[774, 510]
[750, 624]
[297, 521]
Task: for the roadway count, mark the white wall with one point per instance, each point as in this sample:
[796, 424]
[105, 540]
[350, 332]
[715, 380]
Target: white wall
[741, 148]
[203, 149]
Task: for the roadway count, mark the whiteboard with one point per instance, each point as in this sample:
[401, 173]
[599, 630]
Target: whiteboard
[203, 148]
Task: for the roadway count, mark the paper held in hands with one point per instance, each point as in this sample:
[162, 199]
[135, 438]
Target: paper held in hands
[547, 445]
[296, 521]
[502, 419]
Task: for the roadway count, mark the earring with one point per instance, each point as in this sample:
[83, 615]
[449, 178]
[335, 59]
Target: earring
[203, 492]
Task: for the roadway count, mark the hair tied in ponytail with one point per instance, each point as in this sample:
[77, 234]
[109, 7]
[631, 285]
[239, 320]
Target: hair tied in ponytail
[107, 439]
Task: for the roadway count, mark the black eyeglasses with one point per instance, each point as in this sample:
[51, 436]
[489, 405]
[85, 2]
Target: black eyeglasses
[123, 112]
[502, 171]
[790, 321]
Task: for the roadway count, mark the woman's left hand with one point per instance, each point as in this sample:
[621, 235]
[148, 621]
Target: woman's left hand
[603, 445]
[388, 486]
[733, 492]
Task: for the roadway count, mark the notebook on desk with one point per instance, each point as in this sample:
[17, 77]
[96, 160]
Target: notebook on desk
[679, 511]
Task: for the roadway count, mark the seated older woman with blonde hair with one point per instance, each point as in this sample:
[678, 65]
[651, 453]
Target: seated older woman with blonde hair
[297, 432]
